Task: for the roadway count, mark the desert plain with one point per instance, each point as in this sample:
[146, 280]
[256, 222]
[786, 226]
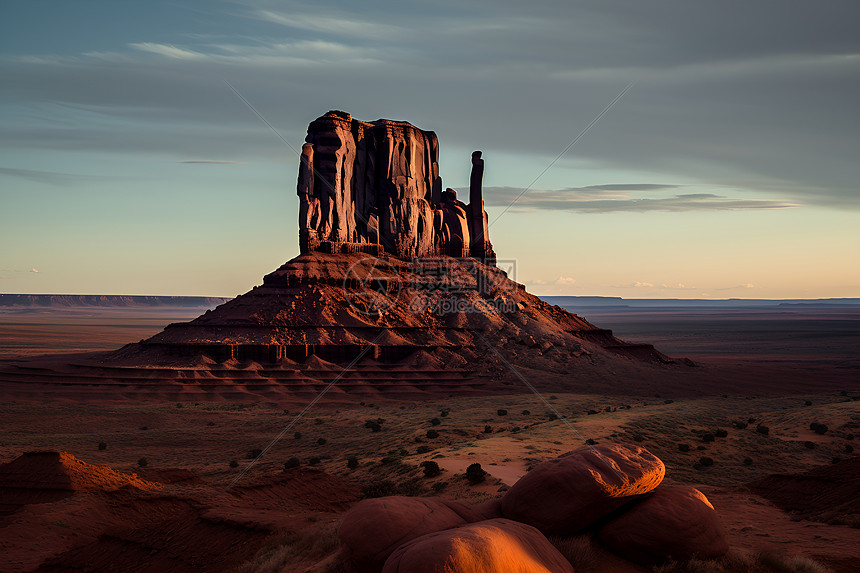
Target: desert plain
[735, 425]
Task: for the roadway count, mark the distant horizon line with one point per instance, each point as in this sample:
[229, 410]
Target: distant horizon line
[572, 296]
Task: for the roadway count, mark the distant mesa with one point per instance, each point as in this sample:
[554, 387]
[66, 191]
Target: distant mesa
[374, 187]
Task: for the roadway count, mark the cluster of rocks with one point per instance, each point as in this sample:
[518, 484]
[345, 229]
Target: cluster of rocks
[610, 492]
[375, 187]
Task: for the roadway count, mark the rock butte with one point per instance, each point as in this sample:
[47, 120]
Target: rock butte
[375, 187]
[392, 270]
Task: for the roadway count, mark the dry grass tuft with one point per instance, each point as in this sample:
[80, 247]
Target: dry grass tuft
[579, 552]
[317, 545]
[742, 562]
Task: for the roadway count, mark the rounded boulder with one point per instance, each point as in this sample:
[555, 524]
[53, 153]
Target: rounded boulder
[492, 546]
[568, 493]
[373, 528]
[673, 522]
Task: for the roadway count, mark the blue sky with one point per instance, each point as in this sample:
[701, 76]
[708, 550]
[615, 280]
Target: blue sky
[729, 168]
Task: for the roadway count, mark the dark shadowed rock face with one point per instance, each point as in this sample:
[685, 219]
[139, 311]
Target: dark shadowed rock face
[493, 546]
[567, 494]
[375, 187]
[672, 522]
[374, 528]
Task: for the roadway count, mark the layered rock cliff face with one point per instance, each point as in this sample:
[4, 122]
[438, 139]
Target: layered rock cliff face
[375, 187]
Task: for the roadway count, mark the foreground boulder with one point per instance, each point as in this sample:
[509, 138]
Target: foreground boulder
[673, 522]
[374, 528]
[492, 546]
[567, 494]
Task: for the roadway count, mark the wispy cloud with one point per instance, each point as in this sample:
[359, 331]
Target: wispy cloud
[351, 26]
[565, 281]
[51, 177]
[168, 50]
[612, 198]
[213, 162]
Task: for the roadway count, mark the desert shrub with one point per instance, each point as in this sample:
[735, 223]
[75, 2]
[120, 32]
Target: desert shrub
[607, 409]
[431, 469]
[386, 487]
[254, 454]
[322, 441]
[751, 420]
[638, 438]
[234, 464]
[818, 428]
[143, 462]
[684, 447]
[748, 461]
[707, 437]
[721, 433]
[297, 435]
[423, 449]
[592, 412]
[762, 429]
[807, 403]
[849, 437]
[740, 425]
[445, 412]
[475, 473]
[590, 442]
[210, 424]
[705, 461]
[809, 445]
[502, 412]
[553, 397]
[292, 463]
[318, 421]
[102, 446]
[517, 429]
[553, 417]
[849, 449]
[526, 413]
[668, 401]
[432, 434]
[179, 405]
[435, 422]
[144, 428]
[488, 429]
[315, 461]
[835, 460]
[374, 425]
[352, 462]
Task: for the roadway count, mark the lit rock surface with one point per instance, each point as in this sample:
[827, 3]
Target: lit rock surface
[374, 528]
[492, 546]
[566, 494]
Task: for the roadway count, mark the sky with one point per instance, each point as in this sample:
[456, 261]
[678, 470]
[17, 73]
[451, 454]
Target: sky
[664, 149]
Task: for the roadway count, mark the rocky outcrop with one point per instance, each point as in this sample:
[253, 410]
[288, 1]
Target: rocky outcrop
[568, 493]
[672, 522]
[374, 528]
[375, 187]
[493, 546]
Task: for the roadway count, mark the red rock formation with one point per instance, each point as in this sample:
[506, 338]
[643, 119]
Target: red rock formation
[567, 494]
[374, 528]
[493, 546]
[373, 187]
[672, 522]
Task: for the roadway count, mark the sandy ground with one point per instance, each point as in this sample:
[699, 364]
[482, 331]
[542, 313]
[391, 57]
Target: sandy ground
[203, 438]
